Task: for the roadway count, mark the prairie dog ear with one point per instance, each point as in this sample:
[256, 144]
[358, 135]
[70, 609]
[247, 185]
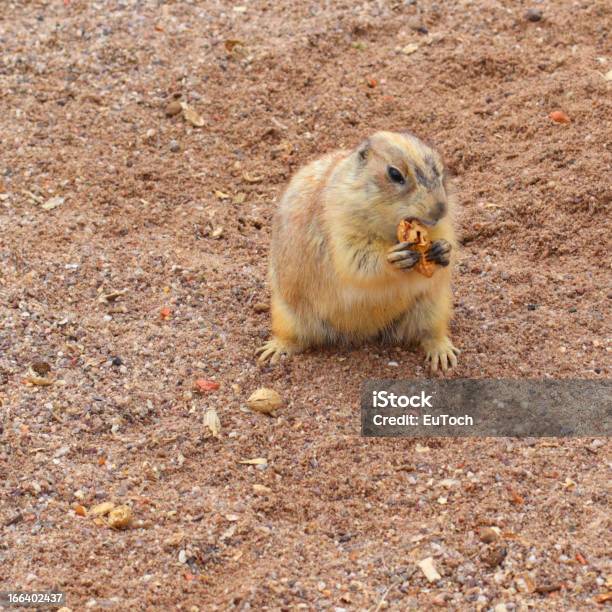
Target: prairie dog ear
[363, 150]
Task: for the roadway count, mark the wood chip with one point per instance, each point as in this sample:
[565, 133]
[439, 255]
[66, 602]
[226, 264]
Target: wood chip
[448, 483]
[102, 509]
[256, 461]
[249, 178]
[112, 296]
[52, 203]
[40, 381]
[428, 568]
[36, 199]
[229, 532]
[212, 421]
[410, 49]
[278, 124]
[191, 116]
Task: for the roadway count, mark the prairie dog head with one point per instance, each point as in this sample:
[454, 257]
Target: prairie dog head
[400, 177]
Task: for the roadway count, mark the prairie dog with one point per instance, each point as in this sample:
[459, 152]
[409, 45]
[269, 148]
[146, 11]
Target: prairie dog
[337, 273]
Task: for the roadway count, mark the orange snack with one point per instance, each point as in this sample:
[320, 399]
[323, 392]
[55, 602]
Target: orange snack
[410, 230]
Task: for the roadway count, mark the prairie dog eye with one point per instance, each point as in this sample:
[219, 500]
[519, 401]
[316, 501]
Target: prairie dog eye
[395, 175]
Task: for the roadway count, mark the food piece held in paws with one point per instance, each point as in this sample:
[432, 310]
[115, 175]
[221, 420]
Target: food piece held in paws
[415, 233]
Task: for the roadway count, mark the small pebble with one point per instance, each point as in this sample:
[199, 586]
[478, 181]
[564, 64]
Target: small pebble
[533, 15]
[42, 368]
[488, 535]
[175, 147]
[494, 557]
[120, 517]
[261, 307]
[174, 108]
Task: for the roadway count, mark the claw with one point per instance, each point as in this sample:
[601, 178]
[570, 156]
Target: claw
[439, 252]
[273, 350]
[443, 354]
[400, 256]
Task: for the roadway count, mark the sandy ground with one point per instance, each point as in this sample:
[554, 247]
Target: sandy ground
[101, 192]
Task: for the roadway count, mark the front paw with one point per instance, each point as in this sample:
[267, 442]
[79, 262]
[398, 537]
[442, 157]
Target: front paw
[439, 252]
[402, 257]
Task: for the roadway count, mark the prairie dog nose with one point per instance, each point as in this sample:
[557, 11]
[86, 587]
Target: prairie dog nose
[438, 210]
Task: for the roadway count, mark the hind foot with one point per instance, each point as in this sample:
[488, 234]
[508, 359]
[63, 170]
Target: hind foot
[441, 353]
[273, 350]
